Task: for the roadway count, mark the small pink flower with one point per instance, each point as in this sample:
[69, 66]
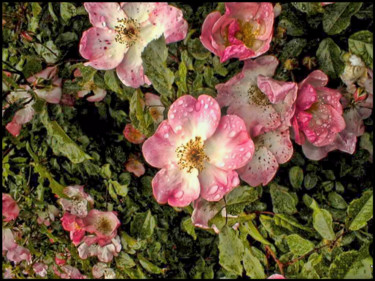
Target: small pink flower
[120, 32]
[105, 253]
[79, 201]
[326, 3]
[40, 269]
[243, 32]
[68, 272]
[276, 276]
[197, 152]
[133, 135]
[133, 165]
[10, 208]
[318, 118]
[103, 224]
[155, 107]
[90, 86]
[15, 252]
[74, 225]
[59, 259]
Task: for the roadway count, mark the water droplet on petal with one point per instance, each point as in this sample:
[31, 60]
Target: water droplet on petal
[248, 155]
[104, 24]
[206, 106]
[232, 134]
[172, 116]
[242, 149]
[213, 189]
[180, 102]
[221, 164]
[179, 194]
[178, 128]
[166, 136]
[217, 197]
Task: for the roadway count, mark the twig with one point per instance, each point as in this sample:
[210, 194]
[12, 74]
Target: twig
[279, 263]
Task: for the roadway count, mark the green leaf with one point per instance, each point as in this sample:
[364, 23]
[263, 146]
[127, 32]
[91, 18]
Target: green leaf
[149, 266]
[361, 44]
[337, 16]
[67, 10]
[293, 49]
[288, 221]
[296, 177]
[187, 225]
[310, 181]
[154, 59]
[231, 250]
[112, 82]
[337, 201]
[360, 211]
[120, 189]
[322, 219]
[329, 58]
[48, 51]
[292, 24]
[250, 228]
[143, 225]
[298, 245]
[181, 79]
[254, 269]
[242, 194]
[197, 50]
[61, 143]
[124, 261]
[310, 8]
[139, 115]
[282, 201]
[351, 265]
[33, 65]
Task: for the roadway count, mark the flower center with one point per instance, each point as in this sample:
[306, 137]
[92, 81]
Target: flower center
[247, 33]
[103, 225]
[257, 97]
[127, 31]
[191, 155]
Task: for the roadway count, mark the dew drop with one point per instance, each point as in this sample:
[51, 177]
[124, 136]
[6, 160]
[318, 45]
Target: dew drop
[248, 155]
[179, 194]
[104, 24]
[166, 136]
[213, 189]
[242, 149]
[180, 102]
[232, 134]
[178, 128]
[172, 116]
[217, 197]
[221, 164]
[206, 106]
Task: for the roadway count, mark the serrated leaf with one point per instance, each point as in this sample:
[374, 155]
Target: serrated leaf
[329, 58]
[298, 245]
[322, 219]
[143, 225]
[231, 251]
[254, 269]
[197, 50]
[187, 225]
[337, 201]
[310, 181]
[250, 228]
[124, 261]
[154, 58]
[149, 266]
[48, 51]
[337, 16]
[120, 189]
[287, 221]
[242, 194]
[293, 49]
[282, 201]
[112, 82]
[67, 10]
[361, 44]
[360, 211]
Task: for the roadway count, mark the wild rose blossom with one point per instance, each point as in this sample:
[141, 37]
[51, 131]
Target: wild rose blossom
[100, 269]
[120, 32]
[40, 269]
[105, 253]
[14, 252]
[243, 32]
[133, 135]
[197, 151]
[133, 165]
[10, 208]
[78, 201]
[267, 106]
[46, 85]
[318, 118]
[75, 226]
[68, 272]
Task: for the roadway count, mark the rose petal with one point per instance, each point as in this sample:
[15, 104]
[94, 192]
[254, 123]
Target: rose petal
[206, 37]
[140, 11]
[133, 135]
[278, 142]
[261, 169]
[10, 208]
[175, 187]
[104, 14]
[317, 79]
[204, 211]
[99, 46]
[230, 147]
[99, 94]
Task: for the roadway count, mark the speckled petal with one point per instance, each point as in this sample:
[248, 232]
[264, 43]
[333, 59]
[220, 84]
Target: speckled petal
[104, 14]
[278, 142]
[204, 211]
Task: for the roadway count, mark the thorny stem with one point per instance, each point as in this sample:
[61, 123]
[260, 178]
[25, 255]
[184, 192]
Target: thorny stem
[278, 262]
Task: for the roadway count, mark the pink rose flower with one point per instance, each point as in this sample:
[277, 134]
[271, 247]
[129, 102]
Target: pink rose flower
[267, 106]
[15, 253]
[243, 32]
[78, 201]
[133, 135]
[74, 225]
[46, 85]
[90, 86]
[59, 259]
[133, 165]
[105, 253]
[276, 276]
[120, 32]
[103, 224]
[40, 269]
[68, 272]
[10, 208]
[319, 115]
[197, 152]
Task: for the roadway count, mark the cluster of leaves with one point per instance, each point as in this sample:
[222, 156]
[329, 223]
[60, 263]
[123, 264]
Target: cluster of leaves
[313, 221]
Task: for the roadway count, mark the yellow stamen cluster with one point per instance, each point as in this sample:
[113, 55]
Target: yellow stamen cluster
[127, 31]
[247, 33]
[104, 225]
[191, 155]
[257, 97]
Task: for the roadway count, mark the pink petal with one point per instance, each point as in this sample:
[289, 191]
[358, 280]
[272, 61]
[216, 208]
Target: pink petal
[140, 11]
[237, 51]
[244, 11]
[8, 240]
[47, 74]
[14, 128]
[206, 36]
[276, 276]
[278, 142]
[317, 79]
[52, 96]
[189, 117]
[98, 45]
[204, 211]
[330, 97]
[104, 14]
[99, 94]
[40, 269]
[133, 135]
[215, 182]
[261, 169]
[175, 187]
[171, 19]
[307, 96]
[19, 254]
[135, 166]
[160, 149]
[130, 70]
[95, 218]
[230, 147]
[235, 90]
[10, 208]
